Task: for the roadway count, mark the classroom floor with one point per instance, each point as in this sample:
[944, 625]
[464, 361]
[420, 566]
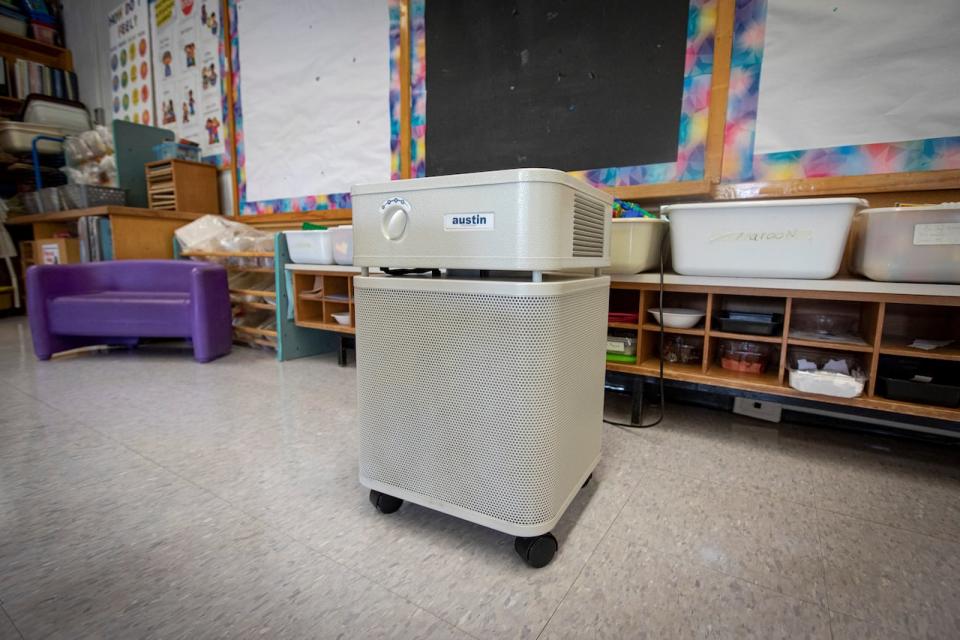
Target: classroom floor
[144, 495]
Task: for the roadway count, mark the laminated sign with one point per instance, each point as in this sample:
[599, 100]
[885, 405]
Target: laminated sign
[131, 70]
[186, 52]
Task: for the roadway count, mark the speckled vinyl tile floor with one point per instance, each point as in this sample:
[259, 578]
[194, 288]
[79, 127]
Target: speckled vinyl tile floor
[143, 495]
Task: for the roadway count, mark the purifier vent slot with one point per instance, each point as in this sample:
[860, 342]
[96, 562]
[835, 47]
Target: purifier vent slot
[588, 226]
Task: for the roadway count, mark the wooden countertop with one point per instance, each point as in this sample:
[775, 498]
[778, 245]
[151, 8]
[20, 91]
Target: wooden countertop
[842, 284]
[73, 214]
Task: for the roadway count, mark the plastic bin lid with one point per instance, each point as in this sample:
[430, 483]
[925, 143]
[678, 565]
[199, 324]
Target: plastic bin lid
[946, 206]
[753, 204]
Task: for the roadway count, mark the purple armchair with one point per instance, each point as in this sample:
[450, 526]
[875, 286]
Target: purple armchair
[120, 301]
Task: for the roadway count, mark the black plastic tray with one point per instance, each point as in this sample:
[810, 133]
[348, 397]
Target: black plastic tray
[896, 381]
[757, 324]
[943, 395]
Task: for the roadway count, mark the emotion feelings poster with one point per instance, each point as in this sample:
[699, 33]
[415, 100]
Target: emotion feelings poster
[187, 37]
[131, 65]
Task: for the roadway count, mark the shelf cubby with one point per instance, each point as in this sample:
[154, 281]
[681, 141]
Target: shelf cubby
[881, 324]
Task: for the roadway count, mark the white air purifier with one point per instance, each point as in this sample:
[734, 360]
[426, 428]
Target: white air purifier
[480, 397]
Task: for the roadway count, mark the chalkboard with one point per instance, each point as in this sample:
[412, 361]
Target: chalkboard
[571, 85]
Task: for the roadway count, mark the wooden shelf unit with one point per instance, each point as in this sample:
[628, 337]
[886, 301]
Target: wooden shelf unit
[14, 46]
[315, 311]
[246, 262]
[884, 319]
[182, 185]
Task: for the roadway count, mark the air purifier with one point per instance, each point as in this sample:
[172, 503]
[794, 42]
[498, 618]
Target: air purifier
[478, 396]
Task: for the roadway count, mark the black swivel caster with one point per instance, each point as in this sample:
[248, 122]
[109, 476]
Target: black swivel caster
[383, 502]
[587, 481]
[537, 551]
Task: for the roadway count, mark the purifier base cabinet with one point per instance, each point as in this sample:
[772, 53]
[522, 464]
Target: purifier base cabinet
[482, 399]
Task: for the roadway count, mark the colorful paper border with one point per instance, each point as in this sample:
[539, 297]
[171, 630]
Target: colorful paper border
[322, 201]
[691, 149]
[741, 164]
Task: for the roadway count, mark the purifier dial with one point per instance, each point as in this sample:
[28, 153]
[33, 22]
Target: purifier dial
[393, 217]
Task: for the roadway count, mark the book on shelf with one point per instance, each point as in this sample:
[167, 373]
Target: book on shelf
[19, 78]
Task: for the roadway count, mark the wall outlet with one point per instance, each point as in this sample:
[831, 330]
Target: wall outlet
[769, 411]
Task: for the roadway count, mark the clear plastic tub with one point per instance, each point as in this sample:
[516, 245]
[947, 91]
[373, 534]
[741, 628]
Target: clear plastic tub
[683, 349]
[908, 244]
[342, 238]
[744, 357]
[623, 345]
[827, 373]
[635, 245]
[761, 239]
[171, 150]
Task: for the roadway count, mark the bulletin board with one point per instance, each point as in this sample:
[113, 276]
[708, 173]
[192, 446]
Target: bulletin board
[189, 41]
[131, 70]
[801, 106]
[316, 100]
[616, 93]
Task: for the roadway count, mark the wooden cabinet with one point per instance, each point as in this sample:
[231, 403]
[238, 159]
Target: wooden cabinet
[182, 185]
[320, 293]
[881, 320]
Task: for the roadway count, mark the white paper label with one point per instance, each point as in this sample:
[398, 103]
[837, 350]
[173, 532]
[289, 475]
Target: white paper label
[942, 233]
[479, 221]
[615, 347]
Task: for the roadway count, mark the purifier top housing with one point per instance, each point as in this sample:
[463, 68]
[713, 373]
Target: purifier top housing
[519, 219]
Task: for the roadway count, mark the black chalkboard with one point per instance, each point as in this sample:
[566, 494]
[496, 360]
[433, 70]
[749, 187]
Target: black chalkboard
[571, 85]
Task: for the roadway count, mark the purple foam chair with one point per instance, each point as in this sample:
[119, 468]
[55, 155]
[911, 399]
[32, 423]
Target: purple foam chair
[120, 301]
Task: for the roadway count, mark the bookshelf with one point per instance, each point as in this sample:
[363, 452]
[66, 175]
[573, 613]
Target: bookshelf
[13, 47]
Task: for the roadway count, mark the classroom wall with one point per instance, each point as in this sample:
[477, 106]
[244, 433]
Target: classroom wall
[88, 38]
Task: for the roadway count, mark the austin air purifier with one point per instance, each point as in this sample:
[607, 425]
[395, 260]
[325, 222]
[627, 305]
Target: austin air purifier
[480, 356]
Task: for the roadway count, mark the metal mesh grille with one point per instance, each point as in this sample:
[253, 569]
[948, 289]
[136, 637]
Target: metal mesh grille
[588, 222]
[482, 401]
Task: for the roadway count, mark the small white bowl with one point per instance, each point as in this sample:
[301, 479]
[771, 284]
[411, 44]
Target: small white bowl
[678, 318]
[342, 318]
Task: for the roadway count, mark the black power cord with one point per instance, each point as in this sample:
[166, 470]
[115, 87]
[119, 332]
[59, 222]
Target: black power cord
[662, 406]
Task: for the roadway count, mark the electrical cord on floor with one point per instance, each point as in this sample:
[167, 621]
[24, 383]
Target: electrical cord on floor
[662, 405]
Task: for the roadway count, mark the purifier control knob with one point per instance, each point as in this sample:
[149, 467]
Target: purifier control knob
[394, 215]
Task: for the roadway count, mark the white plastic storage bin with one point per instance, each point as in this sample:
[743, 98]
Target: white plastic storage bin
[310, 246]
[908, 244]
[17, 137]
[635, 244]
[71, 119]
[342, 239]
[763, 238]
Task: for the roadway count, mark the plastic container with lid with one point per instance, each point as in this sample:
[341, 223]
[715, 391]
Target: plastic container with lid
[800, 238]
[623, 345]
[683, 349]
[635, 244]
[828, 373]
[908, 244]
[310, 246]
[68, 117]
[342, 239]
[745, 357]
[923, 381]
[17, 137]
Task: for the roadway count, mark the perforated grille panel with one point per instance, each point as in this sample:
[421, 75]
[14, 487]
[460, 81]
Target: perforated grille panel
[488, 402]
[588, 221]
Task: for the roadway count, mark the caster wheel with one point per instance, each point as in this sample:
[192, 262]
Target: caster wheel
[587, 481]
[383, 502]
[537, 551]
